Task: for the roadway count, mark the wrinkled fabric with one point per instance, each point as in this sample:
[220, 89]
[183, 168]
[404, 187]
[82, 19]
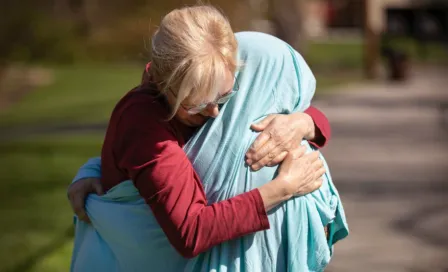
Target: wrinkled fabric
[124, 235]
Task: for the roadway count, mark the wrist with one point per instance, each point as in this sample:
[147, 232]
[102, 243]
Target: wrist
[283, 187]
[306, 122]
[275, 192]
[311, 128]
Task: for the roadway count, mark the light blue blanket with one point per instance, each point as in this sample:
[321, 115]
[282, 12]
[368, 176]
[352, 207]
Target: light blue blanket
[124, 235]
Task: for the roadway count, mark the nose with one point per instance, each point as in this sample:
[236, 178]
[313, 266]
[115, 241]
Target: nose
[211, 111]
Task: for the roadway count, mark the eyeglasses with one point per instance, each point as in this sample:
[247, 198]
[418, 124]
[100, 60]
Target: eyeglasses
[221, 100]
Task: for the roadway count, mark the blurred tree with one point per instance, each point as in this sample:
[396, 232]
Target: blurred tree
[78, 30]
[288, 17]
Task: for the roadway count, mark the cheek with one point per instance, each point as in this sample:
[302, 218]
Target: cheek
[182, 115]
[194, 120]
[198, 119]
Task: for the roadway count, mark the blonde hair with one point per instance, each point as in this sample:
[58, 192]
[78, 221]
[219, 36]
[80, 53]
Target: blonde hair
[192, 50]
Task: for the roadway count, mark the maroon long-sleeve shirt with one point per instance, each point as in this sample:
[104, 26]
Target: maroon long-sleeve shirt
[141, 146]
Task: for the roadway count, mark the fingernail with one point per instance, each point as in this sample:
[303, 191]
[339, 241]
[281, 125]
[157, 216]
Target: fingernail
[254, 167]
[249, 162]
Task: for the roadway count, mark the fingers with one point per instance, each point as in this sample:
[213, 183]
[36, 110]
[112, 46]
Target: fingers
[98, 189]
[318, 164]
[265, 137]
[291, 161]
[278, 159]
[260, 126]
[298, 152]
[271, 155]
[252, 155]
[78, 192]
[275, 155]
[318, 180]
[312, 157]
[321, 172]
[310, 187]
[265, 154]
[77, 203]
[317, 183]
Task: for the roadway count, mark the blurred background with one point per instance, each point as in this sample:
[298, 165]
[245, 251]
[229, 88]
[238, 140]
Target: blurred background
[381, 80]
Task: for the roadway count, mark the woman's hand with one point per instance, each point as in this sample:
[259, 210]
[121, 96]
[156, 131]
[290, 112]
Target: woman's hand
[301, 173]
[298, 175]
[280, 134]
[77, 193]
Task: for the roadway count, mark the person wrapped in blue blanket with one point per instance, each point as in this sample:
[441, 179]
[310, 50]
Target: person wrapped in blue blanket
[273, 78]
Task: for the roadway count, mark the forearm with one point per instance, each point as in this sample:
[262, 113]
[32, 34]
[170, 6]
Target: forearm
[192, 226]
[201, 227]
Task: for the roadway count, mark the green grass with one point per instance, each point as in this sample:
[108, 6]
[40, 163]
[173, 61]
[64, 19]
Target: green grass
[56, 261]
[84, 93]
[36, 229]
[326, 84]
[37, 223]
[333, 57]
[87, 94]
[36, 232]
[435, 52]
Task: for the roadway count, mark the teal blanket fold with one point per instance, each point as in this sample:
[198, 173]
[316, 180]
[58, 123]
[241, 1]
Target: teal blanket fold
[124, 235]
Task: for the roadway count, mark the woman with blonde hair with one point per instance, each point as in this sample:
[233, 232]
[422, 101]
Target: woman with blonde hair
[196, 182]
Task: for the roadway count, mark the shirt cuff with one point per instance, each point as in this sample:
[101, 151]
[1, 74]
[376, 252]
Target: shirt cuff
[321, 126]
[261, 211]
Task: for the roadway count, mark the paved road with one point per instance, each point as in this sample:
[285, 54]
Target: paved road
[389, 159]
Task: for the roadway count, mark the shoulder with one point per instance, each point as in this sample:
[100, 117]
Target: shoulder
[140, 118]
[140, 106]
[141, 131]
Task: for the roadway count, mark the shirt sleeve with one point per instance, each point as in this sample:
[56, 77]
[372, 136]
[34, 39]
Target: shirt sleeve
[91, 169]
[151, 156]
[322, 127]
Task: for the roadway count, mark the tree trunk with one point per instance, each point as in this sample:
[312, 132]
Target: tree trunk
[288, 17]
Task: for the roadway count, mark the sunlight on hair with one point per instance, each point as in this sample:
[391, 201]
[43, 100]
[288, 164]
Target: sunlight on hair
[191, 52]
